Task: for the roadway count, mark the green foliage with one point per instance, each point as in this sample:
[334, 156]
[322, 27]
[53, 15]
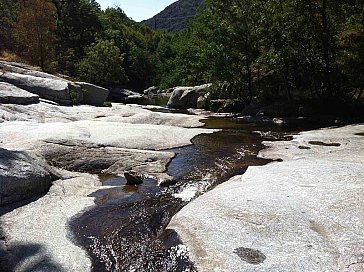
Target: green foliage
[107, 104]
[103, 64]
[74, 96]
[137, 42]
[265, 50]
[78, 26]
[35, 32]
[8, 17]
[254, 50]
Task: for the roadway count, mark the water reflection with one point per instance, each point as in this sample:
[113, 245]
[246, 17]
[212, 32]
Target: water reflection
[126, 229]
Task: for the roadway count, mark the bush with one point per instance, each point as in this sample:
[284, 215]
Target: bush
[103, 64]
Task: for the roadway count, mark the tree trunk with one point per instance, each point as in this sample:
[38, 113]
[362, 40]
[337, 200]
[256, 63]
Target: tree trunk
[360, 93]
[326, 49]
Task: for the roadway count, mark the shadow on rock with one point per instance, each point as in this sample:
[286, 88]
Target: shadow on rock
[26, 257]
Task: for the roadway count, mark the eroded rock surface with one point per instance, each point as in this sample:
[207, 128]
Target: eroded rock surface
[92, 94]
[22, 175]
[186, 97]
[53, 89]
[124, 96]
[302, 214]
[36, 235]
[10, 94]
[78, 139]
[83, 157]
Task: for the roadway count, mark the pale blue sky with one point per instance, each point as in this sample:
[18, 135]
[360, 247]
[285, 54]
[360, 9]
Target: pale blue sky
[138, 9]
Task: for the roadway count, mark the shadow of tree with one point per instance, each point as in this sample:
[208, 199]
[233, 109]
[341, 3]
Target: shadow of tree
[26, 257]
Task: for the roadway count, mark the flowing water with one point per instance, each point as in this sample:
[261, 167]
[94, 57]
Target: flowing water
[126, 231]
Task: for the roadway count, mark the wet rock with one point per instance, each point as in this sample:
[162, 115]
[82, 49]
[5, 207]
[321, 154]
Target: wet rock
[133, 178]
[92, 94]
[10, 94]
[186, 97]
[249, 255]
[23, 175]
[167, 181]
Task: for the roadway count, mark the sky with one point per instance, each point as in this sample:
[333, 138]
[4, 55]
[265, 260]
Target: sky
[138, 10]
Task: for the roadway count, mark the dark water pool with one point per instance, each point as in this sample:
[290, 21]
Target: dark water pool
[126, 231]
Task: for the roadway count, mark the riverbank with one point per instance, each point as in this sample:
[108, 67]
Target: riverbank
[78, 143]
[89, 219]
[302, 214]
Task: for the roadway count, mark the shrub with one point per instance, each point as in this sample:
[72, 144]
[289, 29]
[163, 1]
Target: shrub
[103, 64]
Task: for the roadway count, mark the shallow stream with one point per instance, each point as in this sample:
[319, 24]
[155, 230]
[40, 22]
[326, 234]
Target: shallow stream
[126, 231]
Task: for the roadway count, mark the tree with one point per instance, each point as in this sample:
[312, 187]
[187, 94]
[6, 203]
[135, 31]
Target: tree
[273, 50]
[221, 46]
[103, 64]
[35, 31]
[78, 26]
[350, 57]
[8, 16]
[138, 44]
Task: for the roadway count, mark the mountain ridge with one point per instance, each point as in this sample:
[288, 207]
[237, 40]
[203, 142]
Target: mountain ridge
[176, 16]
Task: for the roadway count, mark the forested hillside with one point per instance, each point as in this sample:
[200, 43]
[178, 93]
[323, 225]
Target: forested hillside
[176, 16]
[280, 50]
[256, 51]
[78, 39]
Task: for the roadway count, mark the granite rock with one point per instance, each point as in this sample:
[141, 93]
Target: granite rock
[302, 214]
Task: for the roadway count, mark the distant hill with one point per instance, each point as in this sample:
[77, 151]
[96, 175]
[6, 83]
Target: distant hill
[176, 16]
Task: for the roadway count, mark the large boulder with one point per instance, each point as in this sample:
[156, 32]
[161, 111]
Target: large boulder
[151, 91]
[10, 94]
[57, 90]
[203, 101]
[22, 175]
[303, 214]
[92, 94]
[133, 178]
[124, 96]
[186, 97]
[24, 69]
[84, 157]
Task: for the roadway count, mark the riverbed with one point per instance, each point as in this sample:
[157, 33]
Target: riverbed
[89, 219]
[126, 229]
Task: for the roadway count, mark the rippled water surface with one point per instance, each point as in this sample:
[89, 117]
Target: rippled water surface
[126, 229]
